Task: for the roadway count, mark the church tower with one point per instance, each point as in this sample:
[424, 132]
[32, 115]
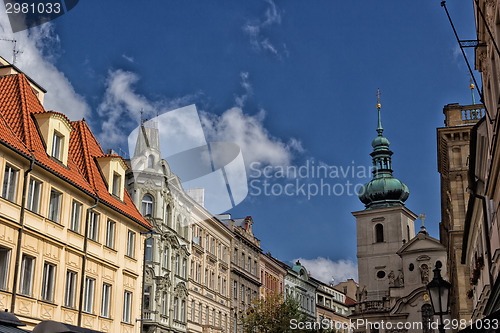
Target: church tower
[385, 224]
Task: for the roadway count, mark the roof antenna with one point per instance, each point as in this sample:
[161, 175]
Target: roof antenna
[15, 51]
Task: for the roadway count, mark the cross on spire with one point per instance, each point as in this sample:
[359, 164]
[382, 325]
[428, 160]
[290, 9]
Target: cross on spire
[422, 218]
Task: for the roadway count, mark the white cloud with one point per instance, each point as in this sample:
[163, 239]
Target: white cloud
[256, 31]
[245, 84]
[325, 269]
[249, 133]
[128, 58]
[38, 53]
[121, 106]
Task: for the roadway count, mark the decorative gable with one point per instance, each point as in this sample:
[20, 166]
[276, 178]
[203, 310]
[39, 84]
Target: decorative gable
[55, 129]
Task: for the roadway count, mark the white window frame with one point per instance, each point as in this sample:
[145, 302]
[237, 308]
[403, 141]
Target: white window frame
[176, 308]
[57, 145]
[48, 281]
[106, 300]
[127, 306]
[88, 298]
[165, 257]
[4, 266]
[110, 233]
[164, 304]
[184, 264]
[55, 205]
[9, 186]
[34, 194]
[27, 270]
[147, 205]
[130, 244]
[93, 231]
[76, 216]
[117, 184]
[69, 292]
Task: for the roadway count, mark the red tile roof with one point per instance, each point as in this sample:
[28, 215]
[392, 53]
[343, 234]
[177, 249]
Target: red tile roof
[349, 301]
[18, 129]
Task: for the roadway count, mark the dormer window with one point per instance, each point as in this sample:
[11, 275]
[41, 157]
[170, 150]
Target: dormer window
[117, 182]
[57, 145]
[56, 130]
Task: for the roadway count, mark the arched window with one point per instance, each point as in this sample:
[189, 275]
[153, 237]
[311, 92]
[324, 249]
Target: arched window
[178, 225]
[379, 233]
[151, 161]
[147, 205]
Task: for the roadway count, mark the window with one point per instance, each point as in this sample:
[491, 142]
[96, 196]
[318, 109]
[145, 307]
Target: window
[249, 291]
[106, 298]
[242, 260]
[206, 277]
[33, 203]
[199, 273]
[242, 294]
[165, 257]
[147, 205]
[49, 272]
[224, 287]
[110, 234]
[117, 183]
[127, 302]
[27, 267]
[4, 266]
[379, 233]
[69, 293]
[255, 267]
[88, 300]
[130, 244]
[191, 271]
[249, 264]
[218, 284]
[57, 143]
[213, 317]
[219, 251]
[176, 264]
[149, 249]
[9, 183]
[93, 232]
[147, 298]
[192, 310]
[200, 314]
[207, 314]
[176, 308]
[235, 259]
[54, 205]
[212, 278]
[164, 303]
[235, 289]
[183, 311]
[76, 215]
[151, 161]
[184, 263]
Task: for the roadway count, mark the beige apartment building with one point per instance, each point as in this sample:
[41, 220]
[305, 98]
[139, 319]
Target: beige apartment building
[70, 236]
[453, 152]
[245, 267]
[209, 302]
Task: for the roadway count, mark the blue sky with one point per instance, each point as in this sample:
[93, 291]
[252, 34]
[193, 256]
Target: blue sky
[292, 82]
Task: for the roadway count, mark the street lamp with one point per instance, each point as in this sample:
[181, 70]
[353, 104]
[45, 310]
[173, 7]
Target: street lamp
[439, 291]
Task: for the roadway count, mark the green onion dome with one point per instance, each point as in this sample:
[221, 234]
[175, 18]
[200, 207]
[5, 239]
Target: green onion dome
[383, 190]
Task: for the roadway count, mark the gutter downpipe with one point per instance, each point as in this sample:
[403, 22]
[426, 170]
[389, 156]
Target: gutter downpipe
[84, 261]
[20, 234]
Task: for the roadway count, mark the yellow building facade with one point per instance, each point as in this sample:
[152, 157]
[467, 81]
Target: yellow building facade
[70, 236]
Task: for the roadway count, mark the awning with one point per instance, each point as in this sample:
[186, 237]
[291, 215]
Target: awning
[50, 326]
[9, 323]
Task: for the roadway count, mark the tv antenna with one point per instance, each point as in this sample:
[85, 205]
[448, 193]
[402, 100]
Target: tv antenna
[15, 51]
